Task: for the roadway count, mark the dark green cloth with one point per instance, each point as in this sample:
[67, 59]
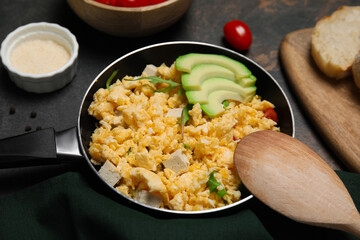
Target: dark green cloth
[68, 207]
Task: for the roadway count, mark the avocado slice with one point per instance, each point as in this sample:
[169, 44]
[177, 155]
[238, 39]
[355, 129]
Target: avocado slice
[215, 107]
[214, 84]
[247, 82]
[201, 72]
[186, 62]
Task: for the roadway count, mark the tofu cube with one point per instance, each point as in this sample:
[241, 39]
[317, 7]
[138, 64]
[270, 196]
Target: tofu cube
[177, 162]
[148, 198]
[174, 112]
[109, 173]
[150, 70]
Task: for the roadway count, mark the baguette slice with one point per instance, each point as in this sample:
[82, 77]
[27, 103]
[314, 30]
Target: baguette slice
[356, 70]
[336, 41]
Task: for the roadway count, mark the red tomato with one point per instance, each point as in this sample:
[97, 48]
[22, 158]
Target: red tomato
[132, 3]
[152, 2]
[271, 114]
[238, 34]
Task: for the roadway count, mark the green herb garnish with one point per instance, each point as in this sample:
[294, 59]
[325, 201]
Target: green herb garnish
[186, 146]
[185, 114]
[154, 80]
[221, 193]
[184, 118]
[108, 82]
[213, 184]
[181, 92]
[225, 104]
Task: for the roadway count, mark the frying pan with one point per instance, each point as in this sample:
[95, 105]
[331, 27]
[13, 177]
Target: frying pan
[47, 146]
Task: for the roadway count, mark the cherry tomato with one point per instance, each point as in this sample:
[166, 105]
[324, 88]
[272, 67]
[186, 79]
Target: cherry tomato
[152, 2]
[271, 114]
[132, 3]
[238, 34]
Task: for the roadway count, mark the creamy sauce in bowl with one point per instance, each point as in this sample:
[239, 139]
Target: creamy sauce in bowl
[39, 56]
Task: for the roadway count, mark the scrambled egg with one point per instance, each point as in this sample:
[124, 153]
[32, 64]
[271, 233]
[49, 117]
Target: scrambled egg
[137, 135]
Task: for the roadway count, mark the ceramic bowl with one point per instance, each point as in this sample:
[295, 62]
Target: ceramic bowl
[41, 82]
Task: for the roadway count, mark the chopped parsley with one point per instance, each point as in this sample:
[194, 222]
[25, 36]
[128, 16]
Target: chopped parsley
[221, 193]
[225, 104]
[213, 184]
[186, 146]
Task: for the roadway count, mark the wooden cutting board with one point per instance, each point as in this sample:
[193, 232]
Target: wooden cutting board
[334, 106]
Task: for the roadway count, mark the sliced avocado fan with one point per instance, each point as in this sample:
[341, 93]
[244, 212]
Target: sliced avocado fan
[185, 63]
[209, 79]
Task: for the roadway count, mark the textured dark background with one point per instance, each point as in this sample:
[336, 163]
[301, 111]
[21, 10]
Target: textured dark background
[269, 21]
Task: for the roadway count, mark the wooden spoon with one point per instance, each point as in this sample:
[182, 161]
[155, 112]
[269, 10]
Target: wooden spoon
[290, 178]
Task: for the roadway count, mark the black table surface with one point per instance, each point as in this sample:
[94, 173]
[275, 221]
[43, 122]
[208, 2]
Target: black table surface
[269, 21]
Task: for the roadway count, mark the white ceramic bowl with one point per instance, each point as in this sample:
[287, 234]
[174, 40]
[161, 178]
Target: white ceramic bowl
[45, 82]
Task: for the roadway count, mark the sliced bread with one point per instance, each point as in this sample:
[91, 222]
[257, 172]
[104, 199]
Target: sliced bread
[356, 70]
[336, 41]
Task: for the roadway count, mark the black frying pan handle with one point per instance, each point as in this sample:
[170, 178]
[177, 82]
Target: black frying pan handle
[40, 147]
